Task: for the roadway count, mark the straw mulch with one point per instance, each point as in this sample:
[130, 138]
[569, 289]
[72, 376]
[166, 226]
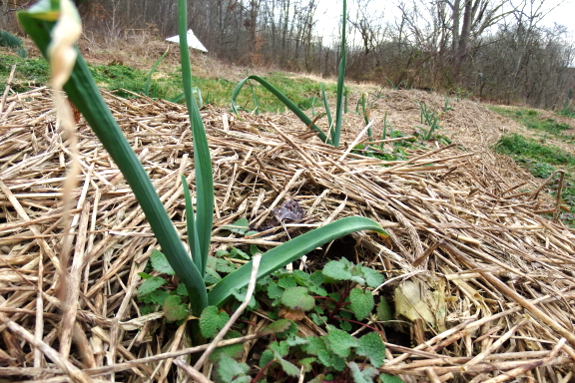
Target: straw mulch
[495, 280]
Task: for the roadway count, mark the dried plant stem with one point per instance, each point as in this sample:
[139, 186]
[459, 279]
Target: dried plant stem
[77, 375]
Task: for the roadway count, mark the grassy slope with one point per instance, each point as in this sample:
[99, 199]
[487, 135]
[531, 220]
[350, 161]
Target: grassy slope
[217, 91]
[537, 151]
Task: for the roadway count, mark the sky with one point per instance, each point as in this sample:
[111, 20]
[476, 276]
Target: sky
[329, 13]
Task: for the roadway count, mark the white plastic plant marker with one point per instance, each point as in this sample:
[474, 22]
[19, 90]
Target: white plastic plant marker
[193, 41]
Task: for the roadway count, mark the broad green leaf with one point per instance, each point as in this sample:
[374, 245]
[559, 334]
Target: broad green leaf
[297, 298]
[233, 350]
[157, 296]
[361, 303]
[287, 281]
[241, 226]
[274, 291]
[365, 376]
[160, 263]
[337, 270]
[228, 370]
[225, 266]
[211, 277]
[341, 342]
[384, 312]
[150, 285]
[280, 348]
[287, 102]
[372, 277]
[238, 254]
[267, 357]
[288, 367]
[289, 252]
[307, 363]
[181, 290]
[212, 321]
[371, 346]
[280, 325]
[174, 310]
[389, 379]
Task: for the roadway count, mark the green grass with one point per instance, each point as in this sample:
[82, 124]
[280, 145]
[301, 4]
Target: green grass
[531, 119]
[542, 160]
[33, 72]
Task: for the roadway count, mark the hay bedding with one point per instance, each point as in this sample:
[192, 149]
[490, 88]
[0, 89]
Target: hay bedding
[497, 275]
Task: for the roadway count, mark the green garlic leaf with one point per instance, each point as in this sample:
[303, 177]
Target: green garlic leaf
[174, 310]
[340, 342]
[212, 321]
[372, 277]
[361, 303]
[390, 379]
[228, 370]
[384, 311]
[150, 285]
[160, 263]
[365, 376]
[371, 346]
[297, 298]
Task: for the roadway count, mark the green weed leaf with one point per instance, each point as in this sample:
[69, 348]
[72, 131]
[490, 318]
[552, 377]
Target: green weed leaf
[212, 321]
[390, 379]
[337, 270]
[361, 303]
[157, 296]
[233, 350]
[174, 310]
[280, 325]
[288, 367]
[371, 346]
[267, 356]
[160, 263]
[241, 226]
[372, 277]
[297, 298]
[150, 285]
[228, 370]
[365, 376]
[384, 312]
[340, 342]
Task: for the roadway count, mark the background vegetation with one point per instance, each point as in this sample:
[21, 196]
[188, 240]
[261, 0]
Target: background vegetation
[497, 50]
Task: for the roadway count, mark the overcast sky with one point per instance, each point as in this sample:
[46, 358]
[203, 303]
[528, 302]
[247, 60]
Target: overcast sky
[329, 13]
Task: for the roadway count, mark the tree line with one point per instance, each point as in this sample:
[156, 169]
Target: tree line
[496, 49]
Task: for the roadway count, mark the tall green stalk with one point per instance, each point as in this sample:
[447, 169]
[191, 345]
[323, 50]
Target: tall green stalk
[82, 91]
[335, 131]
